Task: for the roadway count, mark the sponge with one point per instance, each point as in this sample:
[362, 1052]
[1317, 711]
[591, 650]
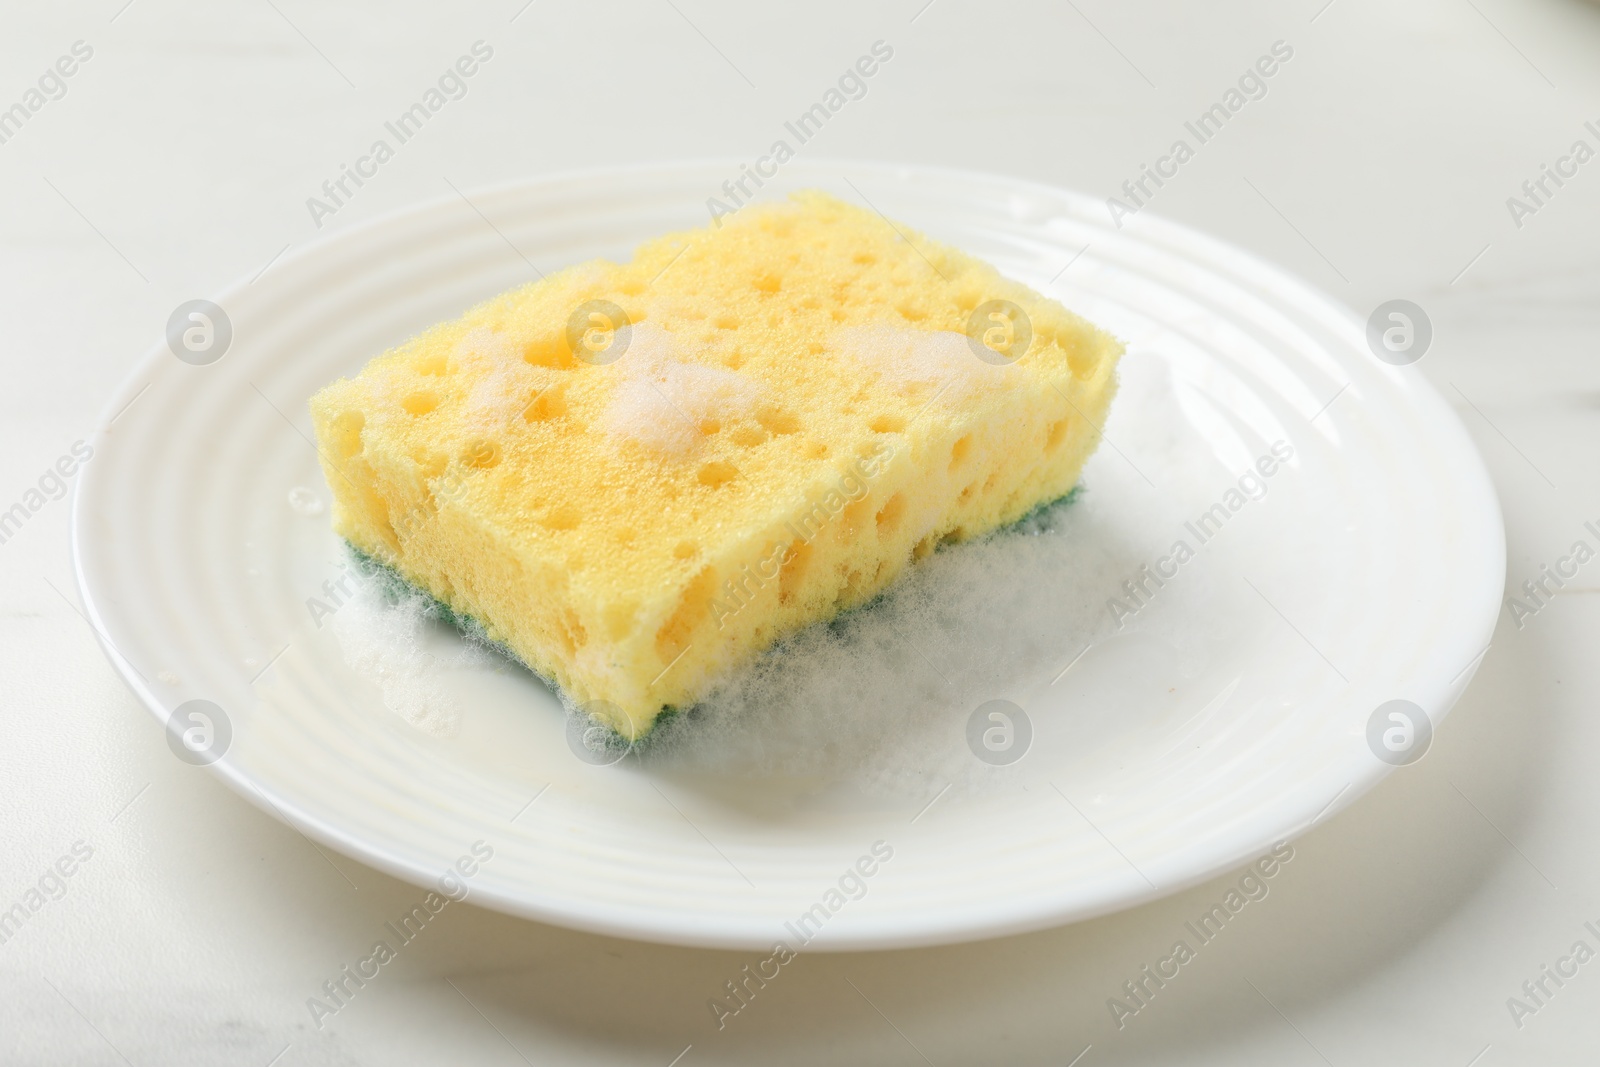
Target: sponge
[636, 476]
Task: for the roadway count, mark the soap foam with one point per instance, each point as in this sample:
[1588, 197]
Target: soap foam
[662, 400]
[908, 359]
[502, 382]
[393, 638]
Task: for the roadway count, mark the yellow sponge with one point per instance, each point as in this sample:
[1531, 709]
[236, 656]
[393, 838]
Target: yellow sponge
[635, 476]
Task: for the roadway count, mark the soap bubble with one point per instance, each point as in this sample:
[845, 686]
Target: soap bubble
[303, 501]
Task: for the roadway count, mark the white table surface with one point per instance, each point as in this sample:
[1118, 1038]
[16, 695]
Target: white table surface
[1377, 166]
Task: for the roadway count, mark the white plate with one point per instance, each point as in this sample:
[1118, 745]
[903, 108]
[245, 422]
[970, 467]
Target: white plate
[1229, 712]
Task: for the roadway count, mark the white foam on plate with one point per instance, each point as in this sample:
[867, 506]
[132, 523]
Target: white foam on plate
[393, 639]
